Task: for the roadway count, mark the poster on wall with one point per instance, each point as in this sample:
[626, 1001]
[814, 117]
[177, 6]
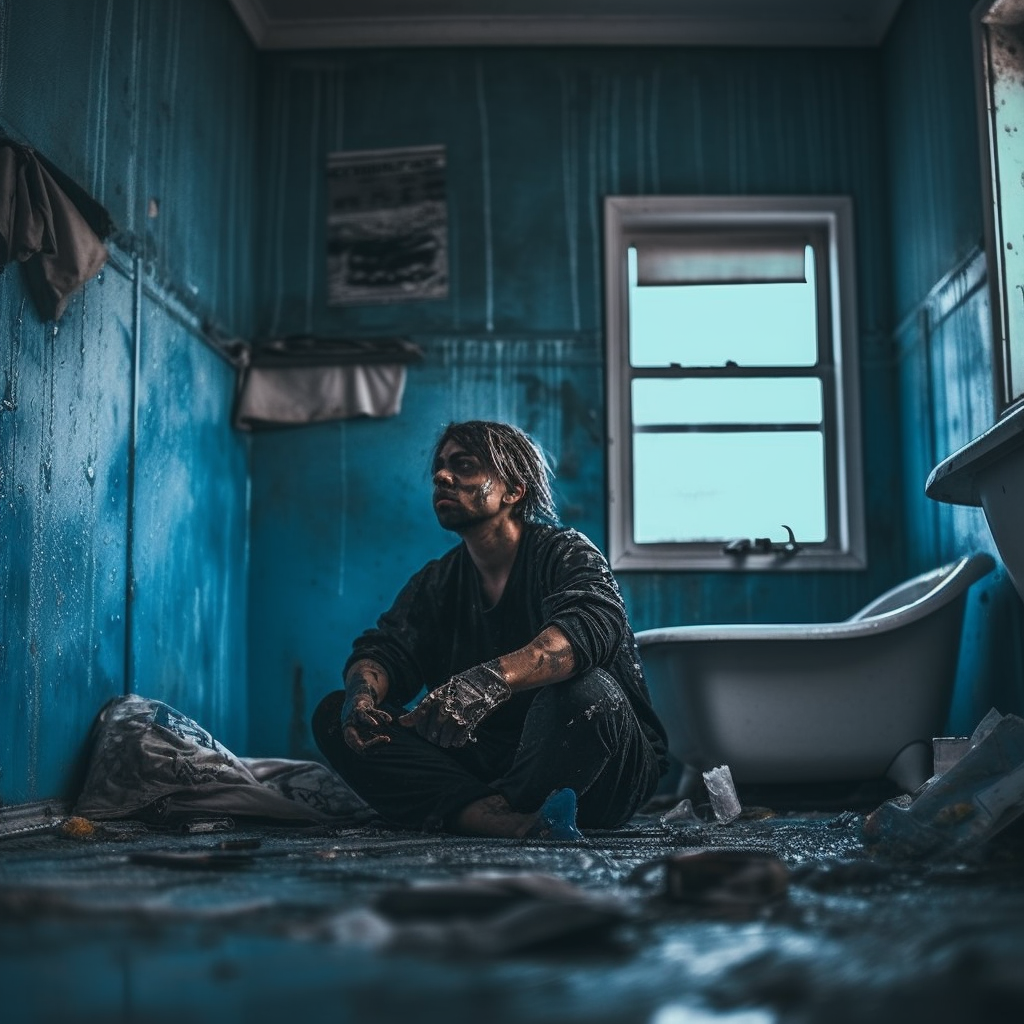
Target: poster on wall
[387, 226]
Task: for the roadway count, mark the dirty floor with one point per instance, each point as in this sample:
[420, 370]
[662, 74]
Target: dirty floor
[129, 923]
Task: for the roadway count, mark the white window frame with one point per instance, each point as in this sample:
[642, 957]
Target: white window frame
[627, 218]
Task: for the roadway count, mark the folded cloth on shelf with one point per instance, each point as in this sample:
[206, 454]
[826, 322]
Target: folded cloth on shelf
[295, 381]
[151, 762]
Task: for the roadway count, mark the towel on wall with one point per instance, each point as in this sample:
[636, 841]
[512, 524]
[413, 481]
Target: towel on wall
[297, 381]
[50, 225]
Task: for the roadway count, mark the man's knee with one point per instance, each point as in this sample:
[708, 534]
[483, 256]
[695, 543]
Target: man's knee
[593, 696]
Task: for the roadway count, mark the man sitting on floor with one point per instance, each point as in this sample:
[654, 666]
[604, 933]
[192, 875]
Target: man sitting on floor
[536, 717]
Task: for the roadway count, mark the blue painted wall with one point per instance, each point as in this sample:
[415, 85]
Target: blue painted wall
[116, 455]
[535, 139]
[115, 452]
[942, 328]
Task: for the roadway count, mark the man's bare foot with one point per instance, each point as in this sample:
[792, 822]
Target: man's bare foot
[492, 816]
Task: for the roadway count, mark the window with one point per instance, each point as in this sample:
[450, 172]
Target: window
[732, 384]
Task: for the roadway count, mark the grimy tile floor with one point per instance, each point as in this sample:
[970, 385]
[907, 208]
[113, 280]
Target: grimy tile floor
[776, 917]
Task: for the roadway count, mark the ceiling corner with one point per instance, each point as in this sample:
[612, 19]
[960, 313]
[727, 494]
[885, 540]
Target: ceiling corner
[884, 15]
[254, 20]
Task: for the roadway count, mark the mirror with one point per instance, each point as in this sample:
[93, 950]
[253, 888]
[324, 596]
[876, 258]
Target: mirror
[999, 34]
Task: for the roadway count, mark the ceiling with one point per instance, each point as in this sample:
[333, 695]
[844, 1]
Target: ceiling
[323, 24]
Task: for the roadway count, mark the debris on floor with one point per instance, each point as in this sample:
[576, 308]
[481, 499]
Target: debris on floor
[722, 793]
[724, 879]
[781, 918]
[975, 798]
[699, 912]
[487, 915]
[682, 814]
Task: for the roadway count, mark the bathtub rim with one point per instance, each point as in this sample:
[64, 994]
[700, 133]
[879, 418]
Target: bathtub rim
[953, 580]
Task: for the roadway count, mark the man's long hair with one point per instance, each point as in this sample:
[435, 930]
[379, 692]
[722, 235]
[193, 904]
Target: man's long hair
[514, 456]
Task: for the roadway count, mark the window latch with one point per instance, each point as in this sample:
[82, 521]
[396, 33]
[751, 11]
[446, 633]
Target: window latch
[738, 547]
[743, 546]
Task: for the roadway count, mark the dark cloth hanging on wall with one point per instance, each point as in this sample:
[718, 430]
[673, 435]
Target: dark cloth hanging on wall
[303, 380]
[50, 225]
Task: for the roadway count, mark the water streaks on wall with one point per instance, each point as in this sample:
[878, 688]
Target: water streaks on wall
[114, 94]
[487, 212]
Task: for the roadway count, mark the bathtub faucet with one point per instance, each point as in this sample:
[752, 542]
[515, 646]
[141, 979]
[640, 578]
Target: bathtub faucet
[742, 546]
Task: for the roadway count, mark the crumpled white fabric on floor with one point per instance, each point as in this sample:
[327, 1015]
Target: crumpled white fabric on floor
[152, 761]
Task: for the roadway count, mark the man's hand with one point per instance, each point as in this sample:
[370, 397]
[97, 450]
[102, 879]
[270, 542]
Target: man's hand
[361, 721]
[449, 715]
[361, 718]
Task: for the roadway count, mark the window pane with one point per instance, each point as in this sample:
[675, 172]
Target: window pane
[709, 325]
[717, 487]
[767, 400]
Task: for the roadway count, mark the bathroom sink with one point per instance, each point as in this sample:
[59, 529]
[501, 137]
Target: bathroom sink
[989, 471]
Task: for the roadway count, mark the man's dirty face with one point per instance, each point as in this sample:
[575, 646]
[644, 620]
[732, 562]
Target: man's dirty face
[466, 491]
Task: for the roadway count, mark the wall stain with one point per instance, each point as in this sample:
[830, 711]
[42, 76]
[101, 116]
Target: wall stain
[299, 746]
[577, 416]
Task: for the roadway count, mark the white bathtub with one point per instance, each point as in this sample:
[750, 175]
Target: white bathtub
[849, 701]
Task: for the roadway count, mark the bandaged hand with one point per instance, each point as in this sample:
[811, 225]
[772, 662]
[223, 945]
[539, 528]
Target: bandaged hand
[449, 715]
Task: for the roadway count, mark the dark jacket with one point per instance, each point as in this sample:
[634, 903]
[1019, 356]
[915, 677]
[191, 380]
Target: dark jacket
[439, 625]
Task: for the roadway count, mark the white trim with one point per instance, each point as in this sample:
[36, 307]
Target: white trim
[517, 30]
[625, 215]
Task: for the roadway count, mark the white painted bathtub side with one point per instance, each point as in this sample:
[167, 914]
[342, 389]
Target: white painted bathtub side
[812, 703]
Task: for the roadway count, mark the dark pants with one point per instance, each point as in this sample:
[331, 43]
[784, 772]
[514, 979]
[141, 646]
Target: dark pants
[580, 734]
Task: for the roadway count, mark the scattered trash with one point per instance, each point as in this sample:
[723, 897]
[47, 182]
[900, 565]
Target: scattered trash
[722, 792]
[966, 805]
[985, 726]
[121, 831]
[947, 750]
[203, 826]
[484, 915]
[682, 814]
[842, 820]
[556, 819]
[77, 828]
[475, 894]
[723, 879]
